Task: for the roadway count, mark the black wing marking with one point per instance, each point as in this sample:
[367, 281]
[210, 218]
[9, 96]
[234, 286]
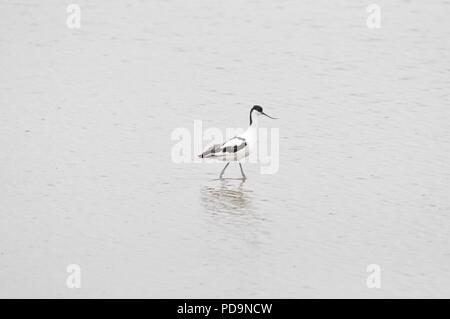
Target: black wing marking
[236, 147]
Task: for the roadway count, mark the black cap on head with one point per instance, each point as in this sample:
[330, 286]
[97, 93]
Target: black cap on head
[257, 108]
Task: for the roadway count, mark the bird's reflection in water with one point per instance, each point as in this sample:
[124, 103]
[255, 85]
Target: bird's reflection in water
[234, 224]
[230, 202]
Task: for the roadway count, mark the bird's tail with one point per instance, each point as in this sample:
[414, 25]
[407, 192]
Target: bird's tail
[211, 151]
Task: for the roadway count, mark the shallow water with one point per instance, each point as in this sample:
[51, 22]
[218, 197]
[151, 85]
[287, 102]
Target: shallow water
[87, 176]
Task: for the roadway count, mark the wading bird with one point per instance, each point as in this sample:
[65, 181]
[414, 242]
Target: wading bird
[240, 146]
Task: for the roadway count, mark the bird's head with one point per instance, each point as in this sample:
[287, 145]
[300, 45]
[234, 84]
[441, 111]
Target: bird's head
[258, 111]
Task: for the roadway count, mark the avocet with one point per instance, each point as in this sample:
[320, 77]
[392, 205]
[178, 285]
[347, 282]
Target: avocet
[238, 147]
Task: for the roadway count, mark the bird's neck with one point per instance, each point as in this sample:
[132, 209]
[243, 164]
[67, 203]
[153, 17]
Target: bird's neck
[253, 128]
[253, 120]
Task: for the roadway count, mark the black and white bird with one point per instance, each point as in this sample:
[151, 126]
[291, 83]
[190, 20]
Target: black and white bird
[238, 147]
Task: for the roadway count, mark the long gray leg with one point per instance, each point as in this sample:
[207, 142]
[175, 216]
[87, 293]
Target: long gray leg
[242, 171]
[223, 171]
